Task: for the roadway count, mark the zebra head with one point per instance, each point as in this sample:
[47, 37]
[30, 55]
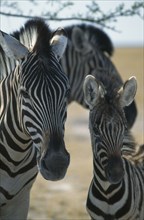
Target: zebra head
[41, 89]
[82, 56]
[108, 124]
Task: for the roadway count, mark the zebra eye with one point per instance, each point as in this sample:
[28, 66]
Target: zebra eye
[97, 134]
[126, 128]
[68, 93]
[98, 139]
[96, 131]
[22, 92]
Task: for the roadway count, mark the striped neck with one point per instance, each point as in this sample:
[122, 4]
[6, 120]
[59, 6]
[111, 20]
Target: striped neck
[10, 119]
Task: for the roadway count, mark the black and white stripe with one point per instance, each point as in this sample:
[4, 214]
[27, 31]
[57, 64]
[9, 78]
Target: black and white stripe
[33, 106]
[116, 190]
[88, 52]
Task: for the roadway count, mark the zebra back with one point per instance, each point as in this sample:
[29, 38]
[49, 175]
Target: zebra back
[91, 34]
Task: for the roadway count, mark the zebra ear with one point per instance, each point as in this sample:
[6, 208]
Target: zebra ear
[128, 91]
[92, 91]
[80, 41]
[12, 47]
[59, 42]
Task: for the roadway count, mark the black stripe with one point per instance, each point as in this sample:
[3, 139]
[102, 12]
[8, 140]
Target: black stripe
[126, 207]
[5, 193]
[6, 155]
[22, 170]
[93, 208]
[9, 196]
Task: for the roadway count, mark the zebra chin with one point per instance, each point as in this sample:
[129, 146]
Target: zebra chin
[54, 167]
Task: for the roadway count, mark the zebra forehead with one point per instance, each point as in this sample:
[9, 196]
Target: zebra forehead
[107, 113]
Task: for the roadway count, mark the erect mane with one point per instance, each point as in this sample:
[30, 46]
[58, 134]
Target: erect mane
[35, 35]
[99, 37]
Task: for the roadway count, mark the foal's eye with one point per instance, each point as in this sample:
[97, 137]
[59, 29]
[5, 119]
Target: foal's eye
[126, 129]
[96, 131]
[98, 138]
[97, 134]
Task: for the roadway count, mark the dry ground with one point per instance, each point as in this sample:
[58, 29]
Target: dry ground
[65, 199]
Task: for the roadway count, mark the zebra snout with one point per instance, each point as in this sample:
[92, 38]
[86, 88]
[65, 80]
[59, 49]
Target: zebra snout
[54, 166]
[114, 170]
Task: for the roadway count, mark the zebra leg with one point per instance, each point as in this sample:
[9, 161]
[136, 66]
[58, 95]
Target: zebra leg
[17, 208]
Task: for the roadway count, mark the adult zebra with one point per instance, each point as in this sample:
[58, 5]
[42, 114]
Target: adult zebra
[33, 105]
[117, 188]
[88, 49]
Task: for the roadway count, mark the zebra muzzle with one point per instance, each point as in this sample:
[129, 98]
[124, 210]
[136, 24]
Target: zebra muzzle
[53, 166]
[114, 170]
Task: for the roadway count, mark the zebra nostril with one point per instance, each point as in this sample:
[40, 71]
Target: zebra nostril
[109, 173]
[54, 167]
[114, 174]
[114, 170]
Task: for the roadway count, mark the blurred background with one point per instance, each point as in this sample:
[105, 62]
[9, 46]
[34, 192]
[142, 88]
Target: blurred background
[123, 22]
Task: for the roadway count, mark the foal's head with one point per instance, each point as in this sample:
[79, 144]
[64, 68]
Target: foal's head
[108, 124]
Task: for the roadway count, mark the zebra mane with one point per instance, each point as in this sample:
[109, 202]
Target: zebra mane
[98, 37]
[35, 35]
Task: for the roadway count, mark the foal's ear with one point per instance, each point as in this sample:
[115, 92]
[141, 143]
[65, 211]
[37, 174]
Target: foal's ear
[92, 91]
[59, 42]
[128, 91]
[12, 47]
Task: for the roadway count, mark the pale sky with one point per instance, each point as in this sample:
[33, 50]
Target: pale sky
[131, 28]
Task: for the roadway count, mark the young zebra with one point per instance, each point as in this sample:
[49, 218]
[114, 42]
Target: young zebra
[117, 188]
[33, 107]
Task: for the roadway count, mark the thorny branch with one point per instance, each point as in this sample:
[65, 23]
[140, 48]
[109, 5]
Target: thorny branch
[93, 13]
